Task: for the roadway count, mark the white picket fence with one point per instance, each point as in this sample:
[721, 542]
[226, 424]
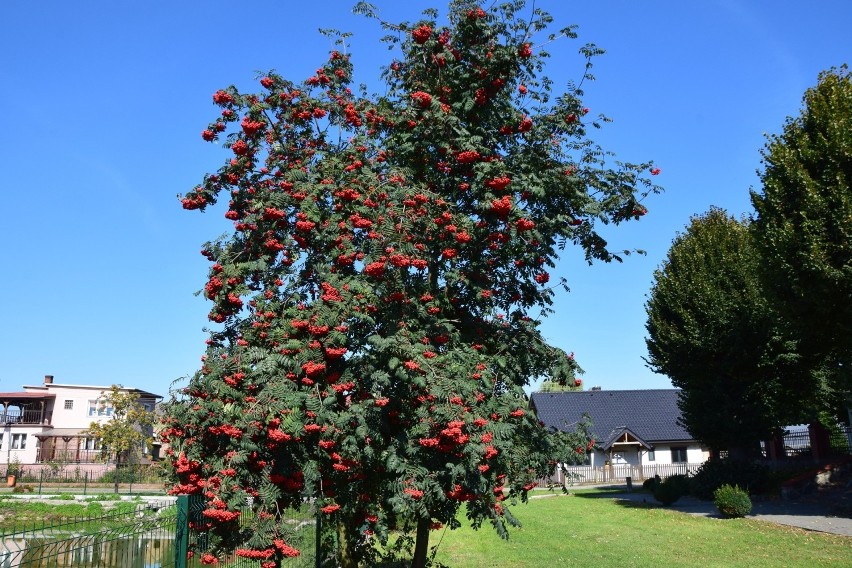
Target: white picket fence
[582, 474]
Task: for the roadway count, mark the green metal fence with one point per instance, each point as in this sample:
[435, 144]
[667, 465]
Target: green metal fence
[76, 474]
[139, 538]
[189, 512]
[150, 535]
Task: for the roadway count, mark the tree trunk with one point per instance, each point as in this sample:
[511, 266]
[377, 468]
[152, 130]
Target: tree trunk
[421, 544]
[344, 554]
[117, 463]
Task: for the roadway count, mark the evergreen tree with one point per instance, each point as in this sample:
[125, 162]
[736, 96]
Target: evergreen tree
[379, 298]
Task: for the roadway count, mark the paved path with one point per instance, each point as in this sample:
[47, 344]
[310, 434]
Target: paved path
[805, 513]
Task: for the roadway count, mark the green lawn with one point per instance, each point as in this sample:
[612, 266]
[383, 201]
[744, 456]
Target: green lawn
[579, 530]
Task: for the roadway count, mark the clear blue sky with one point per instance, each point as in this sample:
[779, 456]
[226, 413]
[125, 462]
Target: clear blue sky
[103, 104]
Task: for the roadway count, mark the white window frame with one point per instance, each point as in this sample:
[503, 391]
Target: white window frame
[19, 442]
[96, 410]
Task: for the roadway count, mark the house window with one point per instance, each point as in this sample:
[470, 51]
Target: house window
[19, 441]
[652, 456]
[95, 409]
[91, 444]
[69, 405]
[679, 454]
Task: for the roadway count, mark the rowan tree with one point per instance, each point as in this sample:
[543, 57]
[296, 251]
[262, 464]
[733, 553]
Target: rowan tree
[803, 230]
[380, 295]
[553, 385]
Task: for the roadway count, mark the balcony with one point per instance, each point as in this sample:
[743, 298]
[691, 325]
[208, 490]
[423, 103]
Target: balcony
[26, 416]
[26, 408]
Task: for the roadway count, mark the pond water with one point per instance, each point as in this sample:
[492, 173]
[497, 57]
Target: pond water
[132, 552]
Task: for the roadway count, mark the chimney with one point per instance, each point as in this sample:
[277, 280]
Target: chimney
[48, 379]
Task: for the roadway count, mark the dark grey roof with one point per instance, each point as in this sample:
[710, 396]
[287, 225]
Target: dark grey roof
[652, 415]
[617, 434]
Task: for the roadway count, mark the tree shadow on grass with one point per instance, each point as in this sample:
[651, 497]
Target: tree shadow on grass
[606, 493]
[643, 500]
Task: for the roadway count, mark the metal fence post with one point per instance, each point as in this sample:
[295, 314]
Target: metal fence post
[317, 544]
[85, 482]
[181, 531]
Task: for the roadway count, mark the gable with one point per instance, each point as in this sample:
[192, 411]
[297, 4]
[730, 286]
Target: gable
[623, 437]
[650, 415]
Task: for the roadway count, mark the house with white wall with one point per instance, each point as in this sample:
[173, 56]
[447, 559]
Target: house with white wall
[49, 422]
[638, 433]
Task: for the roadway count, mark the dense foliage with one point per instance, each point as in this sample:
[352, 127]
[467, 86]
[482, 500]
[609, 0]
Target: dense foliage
[670, 489]
[378, 298]
[128, 430]
[714, 473]
[555, 385]
[803, 231]
[711, 330]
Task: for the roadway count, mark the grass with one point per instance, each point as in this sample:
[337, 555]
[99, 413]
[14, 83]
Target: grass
[20, 514]
[582, 530]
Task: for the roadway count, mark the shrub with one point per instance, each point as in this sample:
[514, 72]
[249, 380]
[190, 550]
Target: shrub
[669, 490]
[124, 475]
[683, 482]
[752, 477]
[133, 474]
[732, 501]
[651, 483]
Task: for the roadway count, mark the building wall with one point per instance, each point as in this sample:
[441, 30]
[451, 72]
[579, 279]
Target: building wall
[26, 455]
[662, 455]
[81, 398]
